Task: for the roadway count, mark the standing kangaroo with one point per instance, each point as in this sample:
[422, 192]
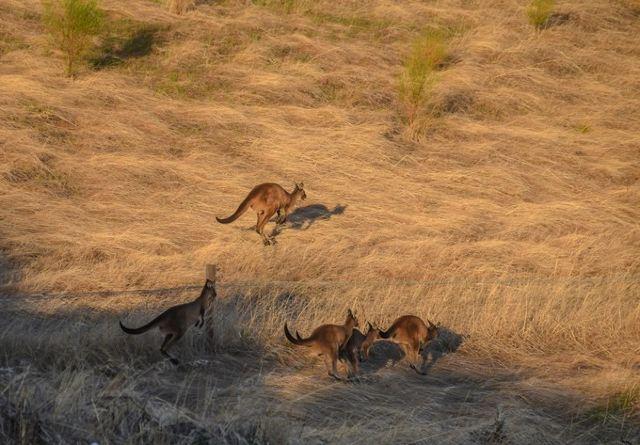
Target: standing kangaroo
[327, 340]
[175, 321]
[411, 333]
[357, 348]
[267, 200]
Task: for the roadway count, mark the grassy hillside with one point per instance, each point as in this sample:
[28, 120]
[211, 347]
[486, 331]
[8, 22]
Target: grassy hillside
[507, 210]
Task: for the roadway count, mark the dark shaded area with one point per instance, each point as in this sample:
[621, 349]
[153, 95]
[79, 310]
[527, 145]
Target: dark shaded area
[304, 217]
[20, 424]
[447, 341]
[116, 49]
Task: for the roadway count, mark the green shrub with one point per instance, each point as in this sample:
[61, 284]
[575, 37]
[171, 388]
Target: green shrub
[72, 25]
[419, 72]
[539, 12]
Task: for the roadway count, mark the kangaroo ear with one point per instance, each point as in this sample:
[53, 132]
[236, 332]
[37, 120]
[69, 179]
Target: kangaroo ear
[431, 324]
[369, 325]
[301, 185]
[349, 313]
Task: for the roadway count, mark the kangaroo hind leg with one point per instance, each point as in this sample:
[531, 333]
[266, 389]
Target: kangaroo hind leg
[331, 362]
[169, 340]
[263, 217]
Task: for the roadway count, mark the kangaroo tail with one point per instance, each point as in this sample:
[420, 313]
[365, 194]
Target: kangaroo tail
[244, 205]
[387, 333]
[296, 341]
[141, 329]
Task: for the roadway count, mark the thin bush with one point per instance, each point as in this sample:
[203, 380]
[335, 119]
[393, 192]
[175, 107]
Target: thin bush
[419, 73]
[72, 25]
[539, 12]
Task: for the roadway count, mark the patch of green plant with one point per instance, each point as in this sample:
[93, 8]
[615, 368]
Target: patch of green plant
[428, 54]
[539, 12]
[72, 25]
[583, 128]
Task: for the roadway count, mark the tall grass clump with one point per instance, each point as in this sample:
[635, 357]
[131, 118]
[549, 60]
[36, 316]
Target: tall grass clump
[539, 12]
[72, 25]
[419, 73]
[179, 6]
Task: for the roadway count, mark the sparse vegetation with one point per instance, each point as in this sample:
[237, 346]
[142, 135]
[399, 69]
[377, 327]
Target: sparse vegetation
[419, 72]
[72, 25]
[504, 222]
[539, 12]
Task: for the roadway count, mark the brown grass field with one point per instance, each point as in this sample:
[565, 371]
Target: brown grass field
[508, 211]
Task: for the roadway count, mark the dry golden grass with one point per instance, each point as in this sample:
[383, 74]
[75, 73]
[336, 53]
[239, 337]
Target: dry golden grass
[508, 211]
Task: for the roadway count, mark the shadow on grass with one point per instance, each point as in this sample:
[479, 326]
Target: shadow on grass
[304, 217]
[116, 49]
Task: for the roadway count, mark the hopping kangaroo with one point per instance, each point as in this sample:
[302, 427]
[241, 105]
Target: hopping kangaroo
[267, 200]
[175, 321]
[357, 348]
[411, 333]
[327, 340]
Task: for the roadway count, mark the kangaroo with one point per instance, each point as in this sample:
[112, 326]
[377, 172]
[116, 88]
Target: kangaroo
[357, 348]
[267, 200]
[327, 340]
[412, 334]
[176, 320]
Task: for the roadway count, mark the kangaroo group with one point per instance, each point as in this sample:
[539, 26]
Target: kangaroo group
[334, 342]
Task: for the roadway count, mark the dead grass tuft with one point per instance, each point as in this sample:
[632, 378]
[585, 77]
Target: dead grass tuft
[507, 210]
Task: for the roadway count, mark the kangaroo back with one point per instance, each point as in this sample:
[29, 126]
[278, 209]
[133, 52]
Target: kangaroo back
[141, 329]
[244, 205]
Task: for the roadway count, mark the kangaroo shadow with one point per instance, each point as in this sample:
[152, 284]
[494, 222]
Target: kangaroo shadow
[304, 217]
[448, 341]
[116, 49]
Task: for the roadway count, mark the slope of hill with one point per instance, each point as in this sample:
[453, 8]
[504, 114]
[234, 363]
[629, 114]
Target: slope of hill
[508, 211]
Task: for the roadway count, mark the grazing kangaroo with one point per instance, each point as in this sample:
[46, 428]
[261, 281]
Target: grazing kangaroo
[267, 200]
[411, 333]
[357, 348]
[175, 321]
[327, 340]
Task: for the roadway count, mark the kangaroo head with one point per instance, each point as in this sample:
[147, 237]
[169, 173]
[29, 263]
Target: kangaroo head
[372, 335]
[351, 321]
[432, 330]
[299, 191]
[209, 291]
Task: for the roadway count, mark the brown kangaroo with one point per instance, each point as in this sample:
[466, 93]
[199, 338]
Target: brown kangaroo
[327, 340]
[176, 320]
[412, 334]
[357, 348]
[267, 200]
